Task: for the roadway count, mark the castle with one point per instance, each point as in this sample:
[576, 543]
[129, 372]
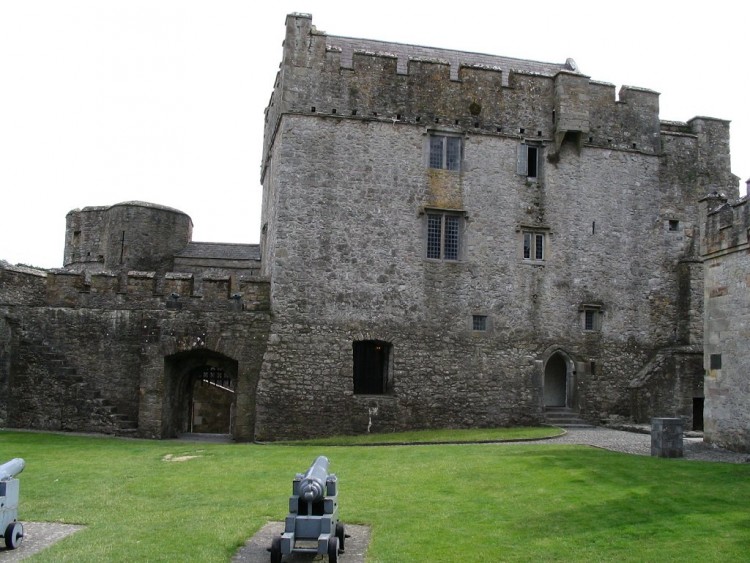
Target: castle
[448, 239]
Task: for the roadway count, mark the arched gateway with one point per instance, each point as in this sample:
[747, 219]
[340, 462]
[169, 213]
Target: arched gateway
[201, 394]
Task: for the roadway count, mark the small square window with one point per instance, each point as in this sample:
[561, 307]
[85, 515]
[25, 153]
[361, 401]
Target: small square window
[479, 322]
[674, 225]
[445, 152]
[533, 246]
[591, 318]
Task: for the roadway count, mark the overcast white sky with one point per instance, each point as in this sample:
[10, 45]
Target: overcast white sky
[162, 100]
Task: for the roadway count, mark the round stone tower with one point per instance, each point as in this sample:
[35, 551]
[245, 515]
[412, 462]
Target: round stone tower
[132, 235]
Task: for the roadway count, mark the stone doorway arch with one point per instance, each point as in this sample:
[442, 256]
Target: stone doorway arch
[559, 381]
[201, 393]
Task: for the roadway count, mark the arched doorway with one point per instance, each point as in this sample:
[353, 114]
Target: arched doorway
[210, 401]
[200, 395]
[558, 384]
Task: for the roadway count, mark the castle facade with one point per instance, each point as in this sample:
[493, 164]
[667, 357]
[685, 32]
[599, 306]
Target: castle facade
[448, 239]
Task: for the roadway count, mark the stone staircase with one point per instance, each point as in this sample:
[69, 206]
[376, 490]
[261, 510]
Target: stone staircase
[69, 401]
[564, 417]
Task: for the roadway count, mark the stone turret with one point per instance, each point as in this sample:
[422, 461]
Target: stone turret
[126, 236]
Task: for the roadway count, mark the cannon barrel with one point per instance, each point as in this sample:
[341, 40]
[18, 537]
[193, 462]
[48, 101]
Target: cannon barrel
[11, 468]
[312, 486]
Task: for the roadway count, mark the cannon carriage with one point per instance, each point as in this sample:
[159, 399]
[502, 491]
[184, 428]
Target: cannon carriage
[312, 525]
[10, 527]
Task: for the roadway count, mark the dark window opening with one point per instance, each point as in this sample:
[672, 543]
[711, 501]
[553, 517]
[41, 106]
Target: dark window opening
[674, 225]
[589, 320]
[532, 163]
[715, 361]
[522, 130]
[698, 413]
[593, 367]
[333, 111]
[371, 367]
[538, 133]
[312, 109]
[479, 322]
[354, 112]
[528, 160]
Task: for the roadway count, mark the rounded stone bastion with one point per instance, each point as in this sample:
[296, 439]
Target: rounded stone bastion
[132, 235]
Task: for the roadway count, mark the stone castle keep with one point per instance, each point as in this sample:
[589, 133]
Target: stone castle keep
[448, 239]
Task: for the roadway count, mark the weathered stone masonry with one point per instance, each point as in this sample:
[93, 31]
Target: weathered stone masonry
[347, 192]
[727, 322]
[98, 346]
[448, 239]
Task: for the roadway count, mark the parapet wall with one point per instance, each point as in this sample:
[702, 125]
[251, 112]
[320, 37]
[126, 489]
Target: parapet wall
[350, 78]
[726, 226]
[345, 78]
[133, 291]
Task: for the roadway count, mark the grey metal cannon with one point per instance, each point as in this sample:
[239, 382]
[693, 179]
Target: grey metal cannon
[312, 525]
[9, 488]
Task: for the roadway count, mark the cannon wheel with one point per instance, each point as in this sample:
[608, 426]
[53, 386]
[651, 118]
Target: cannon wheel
[276, 550]
[340, 535]
[13, 535]
[333, 549]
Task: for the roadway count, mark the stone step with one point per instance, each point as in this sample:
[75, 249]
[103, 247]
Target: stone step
[564, 418]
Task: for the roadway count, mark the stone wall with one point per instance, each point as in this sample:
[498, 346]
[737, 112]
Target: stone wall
[114, 355]
[347, 191]
[125, 236]
[727, 318]
[349, 264]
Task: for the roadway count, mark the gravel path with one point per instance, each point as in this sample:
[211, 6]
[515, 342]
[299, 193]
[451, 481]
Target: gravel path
[640, 444]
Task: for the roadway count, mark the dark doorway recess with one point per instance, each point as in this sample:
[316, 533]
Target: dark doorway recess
[372, 360]
[201, 394]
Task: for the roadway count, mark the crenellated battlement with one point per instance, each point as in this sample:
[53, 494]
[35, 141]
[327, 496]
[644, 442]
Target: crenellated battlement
[134, 290]
[349, 78]
[726, 226]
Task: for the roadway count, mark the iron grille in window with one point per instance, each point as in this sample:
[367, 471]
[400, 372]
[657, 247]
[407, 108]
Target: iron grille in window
[217, 377]
[479, 322]
[589, 320]
[591, 317]
[445, 152]
[443, 236]
[533, 246]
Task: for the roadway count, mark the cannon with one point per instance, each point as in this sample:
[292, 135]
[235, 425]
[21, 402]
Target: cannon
[312, 525]
[9, 488]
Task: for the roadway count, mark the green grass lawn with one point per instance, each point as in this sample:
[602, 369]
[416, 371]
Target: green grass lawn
[518, 502]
